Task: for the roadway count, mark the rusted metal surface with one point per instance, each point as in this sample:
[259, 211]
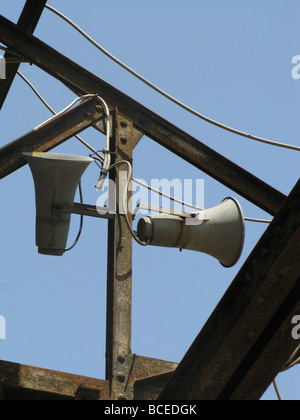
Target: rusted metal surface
[28, 21]
[123, 368]
[141, 378]
[274, 355]
[49, 135]
[150, 388]
[80, 81]
[21, 382]
[276, 344]
[26, 381]
[145, 367]
[119, 280]
[86, 393]
[233, 351]
[11, 393]
[149, 376]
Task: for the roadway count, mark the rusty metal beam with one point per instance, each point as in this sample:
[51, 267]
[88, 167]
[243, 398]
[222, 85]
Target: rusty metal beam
[49, 135]
[28, 21]
[150, 388]
[27, 382]
[119, 268]
[21, 382]
[80, 81]
[149, 377]
[247, 339]
[280, 345]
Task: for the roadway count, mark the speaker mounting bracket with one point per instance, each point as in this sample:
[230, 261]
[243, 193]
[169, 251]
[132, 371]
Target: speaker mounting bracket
[86, 210]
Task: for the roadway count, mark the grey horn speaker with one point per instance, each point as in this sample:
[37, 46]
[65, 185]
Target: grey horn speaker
[56, 178]
[219, 232]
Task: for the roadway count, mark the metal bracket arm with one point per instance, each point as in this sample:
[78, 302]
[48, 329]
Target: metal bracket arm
[87, 210]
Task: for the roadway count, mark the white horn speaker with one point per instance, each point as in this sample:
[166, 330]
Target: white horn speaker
[56, 178]
[219, 232]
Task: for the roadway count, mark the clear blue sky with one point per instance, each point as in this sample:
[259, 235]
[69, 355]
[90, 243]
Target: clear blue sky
[229, 60]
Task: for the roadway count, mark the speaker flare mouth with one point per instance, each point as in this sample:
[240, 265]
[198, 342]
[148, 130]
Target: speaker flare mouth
[220, 234]
[51, 252]
[56, 179]
[243, 232]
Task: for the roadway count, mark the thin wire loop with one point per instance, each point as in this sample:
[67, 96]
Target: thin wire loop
[81, 222]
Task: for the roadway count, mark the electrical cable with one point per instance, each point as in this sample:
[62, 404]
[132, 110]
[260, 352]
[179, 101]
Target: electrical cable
[107, 155]
[292, 361]
[247, 219]
[166, 95]
[129, 176]
[54, 113]
[81, 222]
[289, 365]
[191, 206]
[36, 92]
[59, 114]
[296, 362]
[250, 219]
[277, 390]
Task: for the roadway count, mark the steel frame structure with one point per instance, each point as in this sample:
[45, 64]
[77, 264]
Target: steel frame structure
[252, 323]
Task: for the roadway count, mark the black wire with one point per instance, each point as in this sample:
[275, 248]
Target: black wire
[96, 160]
[81, 221]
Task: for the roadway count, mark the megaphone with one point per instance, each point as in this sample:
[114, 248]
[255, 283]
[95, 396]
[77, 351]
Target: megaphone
[56, 178]
[218, 232]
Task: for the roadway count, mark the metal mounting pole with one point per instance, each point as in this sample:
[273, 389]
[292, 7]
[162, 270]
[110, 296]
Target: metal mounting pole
[119, 273]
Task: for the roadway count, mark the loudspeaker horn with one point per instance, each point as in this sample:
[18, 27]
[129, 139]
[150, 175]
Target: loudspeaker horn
[218, 232]
[56, 178]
